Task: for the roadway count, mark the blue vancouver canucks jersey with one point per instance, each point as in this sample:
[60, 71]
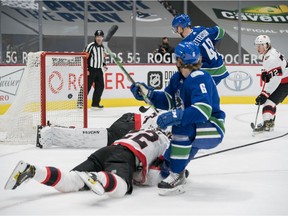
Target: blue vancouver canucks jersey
[197, 95]
[206, 39]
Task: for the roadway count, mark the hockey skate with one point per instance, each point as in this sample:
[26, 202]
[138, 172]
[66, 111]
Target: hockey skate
[91, 180]
[173, 184]
[267, 126]
[22, 172]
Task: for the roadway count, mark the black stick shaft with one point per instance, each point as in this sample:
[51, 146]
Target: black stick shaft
[111, 32]
[258, 108]
[242, 146]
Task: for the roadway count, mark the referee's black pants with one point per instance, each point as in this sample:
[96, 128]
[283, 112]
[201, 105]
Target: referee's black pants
[96, 76]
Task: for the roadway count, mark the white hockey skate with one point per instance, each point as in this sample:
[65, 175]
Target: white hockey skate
[91, 180]
[173, 184]
[23, 172]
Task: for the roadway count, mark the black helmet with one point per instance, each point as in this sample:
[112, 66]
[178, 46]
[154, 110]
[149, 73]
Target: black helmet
[99, 33]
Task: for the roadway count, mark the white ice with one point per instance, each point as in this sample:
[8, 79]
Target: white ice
[250, 180]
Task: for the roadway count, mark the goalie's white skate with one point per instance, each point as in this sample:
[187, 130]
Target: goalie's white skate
[21, 173]
[91, 180]
[173, 184]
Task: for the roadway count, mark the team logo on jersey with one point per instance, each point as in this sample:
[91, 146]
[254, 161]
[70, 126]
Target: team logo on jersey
[155, 79]
[238, 81]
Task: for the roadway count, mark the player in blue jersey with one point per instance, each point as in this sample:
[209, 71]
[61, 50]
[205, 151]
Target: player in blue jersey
[205, 39]
[195, 115]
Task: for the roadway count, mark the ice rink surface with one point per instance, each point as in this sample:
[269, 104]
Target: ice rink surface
[246, 181]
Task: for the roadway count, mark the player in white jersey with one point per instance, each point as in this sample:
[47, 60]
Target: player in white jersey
[111, 169]
[275, 77]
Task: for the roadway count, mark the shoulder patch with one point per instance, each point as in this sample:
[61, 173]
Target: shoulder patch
[196, 73]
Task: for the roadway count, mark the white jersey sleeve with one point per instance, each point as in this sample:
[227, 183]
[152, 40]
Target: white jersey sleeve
[275, 64]
[147, 145]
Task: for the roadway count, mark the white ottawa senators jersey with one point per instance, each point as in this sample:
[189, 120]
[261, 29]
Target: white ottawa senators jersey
[146, 145]
[276, 66]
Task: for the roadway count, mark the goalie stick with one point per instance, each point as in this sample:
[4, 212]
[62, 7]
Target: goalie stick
[241, 146]
[110, 34]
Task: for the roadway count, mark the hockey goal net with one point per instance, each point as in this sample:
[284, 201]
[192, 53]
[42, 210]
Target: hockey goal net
[48, 93]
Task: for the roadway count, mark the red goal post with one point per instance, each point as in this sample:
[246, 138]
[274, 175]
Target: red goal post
[59, 59]
[51, 86]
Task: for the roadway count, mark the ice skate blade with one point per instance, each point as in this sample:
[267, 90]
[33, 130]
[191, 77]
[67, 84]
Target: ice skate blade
[172, 191]
[11, 182]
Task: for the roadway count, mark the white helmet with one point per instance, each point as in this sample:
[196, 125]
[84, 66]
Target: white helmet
[264, 40]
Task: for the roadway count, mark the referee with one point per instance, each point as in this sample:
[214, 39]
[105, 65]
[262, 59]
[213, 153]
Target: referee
[95, 62]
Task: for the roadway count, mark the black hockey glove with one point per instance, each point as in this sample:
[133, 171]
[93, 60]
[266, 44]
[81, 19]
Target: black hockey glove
[262, 98]
[265, 76]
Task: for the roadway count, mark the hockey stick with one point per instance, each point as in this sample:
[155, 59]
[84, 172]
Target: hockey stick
[110, 33]
[254, 125]
[241, 146]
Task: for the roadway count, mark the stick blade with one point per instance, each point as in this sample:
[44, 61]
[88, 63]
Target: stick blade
[110, 33]
[143, 109]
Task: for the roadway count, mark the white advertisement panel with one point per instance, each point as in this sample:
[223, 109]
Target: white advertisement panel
[10, 78]
[243, 82]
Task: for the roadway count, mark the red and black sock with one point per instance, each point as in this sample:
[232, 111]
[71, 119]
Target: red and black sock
[53, 176]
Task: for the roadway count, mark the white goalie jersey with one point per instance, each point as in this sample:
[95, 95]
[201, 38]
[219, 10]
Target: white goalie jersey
[147, 146]
[275, 64]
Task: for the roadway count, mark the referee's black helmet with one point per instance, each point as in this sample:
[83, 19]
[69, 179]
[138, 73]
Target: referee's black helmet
[99, 33]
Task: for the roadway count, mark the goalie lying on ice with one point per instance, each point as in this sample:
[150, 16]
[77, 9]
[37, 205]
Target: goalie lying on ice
[111, 169]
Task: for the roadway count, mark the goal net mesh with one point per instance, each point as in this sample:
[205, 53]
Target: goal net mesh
[48, 92]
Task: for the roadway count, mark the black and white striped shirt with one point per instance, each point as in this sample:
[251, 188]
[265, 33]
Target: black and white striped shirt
[96, 55]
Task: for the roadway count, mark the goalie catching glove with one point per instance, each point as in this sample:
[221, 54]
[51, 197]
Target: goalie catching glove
[141, 91]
